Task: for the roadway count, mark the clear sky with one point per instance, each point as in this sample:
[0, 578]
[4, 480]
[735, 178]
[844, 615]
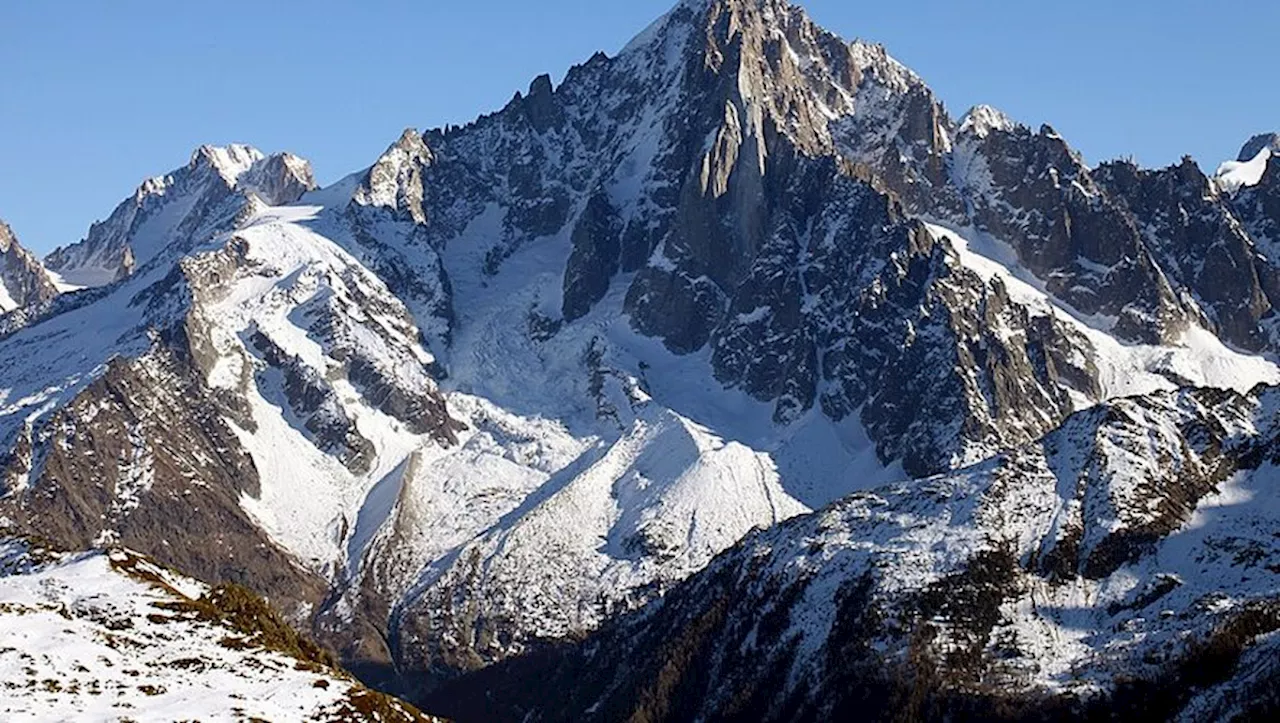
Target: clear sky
[95, 96]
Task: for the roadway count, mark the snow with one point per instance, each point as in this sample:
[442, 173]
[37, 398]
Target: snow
[47, 364]
[65, 287]
[654, 506]
[6, 300]
[80, 639]
[83, 277]
[981, 120]
[1075, 634]
[888, 70]
[309, 497]
[595, 466]
[231, 161]
[1199, 358]
[658, 30]
[167, 214]
[1235, 175]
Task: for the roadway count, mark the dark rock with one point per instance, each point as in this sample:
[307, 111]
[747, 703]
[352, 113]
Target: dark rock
[595, 257]
[1269, 141]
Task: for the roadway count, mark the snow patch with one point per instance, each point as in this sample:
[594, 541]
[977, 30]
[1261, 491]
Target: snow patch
[1235, 175]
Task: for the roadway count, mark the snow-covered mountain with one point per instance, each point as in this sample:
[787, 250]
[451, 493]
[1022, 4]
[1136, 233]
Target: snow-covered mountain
[520, 378]
[1125, 565]
[168, 214]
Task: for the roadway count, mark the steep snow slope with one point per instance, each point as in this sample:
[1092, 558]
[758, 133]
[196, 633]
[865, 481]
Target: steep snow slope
[111, 636]
[310, 309]
[313, 380]
[261, 374]
[574, 489]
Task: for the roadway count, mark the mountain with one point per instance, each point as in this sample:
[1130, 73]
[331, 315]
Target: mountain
[192, 204]
[99, 635]
[1125, 565]
[540, 375]
[23, 280]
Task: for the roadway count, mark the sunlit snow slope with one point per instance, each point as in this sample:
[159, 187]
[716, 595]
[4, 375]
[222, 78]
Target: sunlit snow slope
[112, 636]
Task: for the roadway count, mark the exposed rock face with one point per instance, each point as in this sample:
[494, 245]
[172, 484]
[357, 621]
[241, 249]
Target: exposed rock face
[1259, 143]
[390, 234]
[723, 209]
[871, 333]
[23, 281]
[142, 458]
[1258, 207]
[1202, 245]
[1034, 192]
[177, 212]
[597, 254]
[948, 598]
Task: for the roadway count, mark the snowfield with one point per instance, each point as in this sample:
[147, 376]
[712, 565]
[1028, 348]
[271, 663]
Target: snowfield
[95, 637]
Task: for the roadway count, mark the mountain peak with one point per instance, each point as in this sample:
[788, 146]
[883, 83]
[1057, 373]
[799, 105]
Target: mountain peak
[410, 142]
[1249, 170]
[23, 280]
[395, 179]
[278, 179]
[981, 120]
[185, 206]
[6, 237]
[230, 161]
[1257, 144]
[875, 59]
[698, 12]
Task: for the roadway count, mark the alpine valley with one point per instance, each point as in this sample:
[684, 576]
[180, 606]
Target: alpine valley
[732, 378]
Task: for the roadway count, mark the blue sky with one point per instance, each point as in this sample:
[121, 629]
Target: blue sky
[95, 96]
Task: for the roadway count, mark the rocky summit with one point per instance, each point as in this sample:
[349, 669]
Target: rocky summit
[731, 378]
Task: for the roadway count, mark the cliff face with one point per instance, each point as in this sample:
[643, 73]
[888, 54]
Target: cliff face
[23, 281]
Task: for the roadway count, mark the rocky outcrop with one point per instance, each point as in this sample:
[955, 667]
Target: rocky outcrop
[1033, 192]
[23, 280]
[1258, 208]
[1202, 246]
[143, 435]
[703, 286]
[391, 235]
[721, 213]
[1259, 143]
[816, 315]
[314, 401]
